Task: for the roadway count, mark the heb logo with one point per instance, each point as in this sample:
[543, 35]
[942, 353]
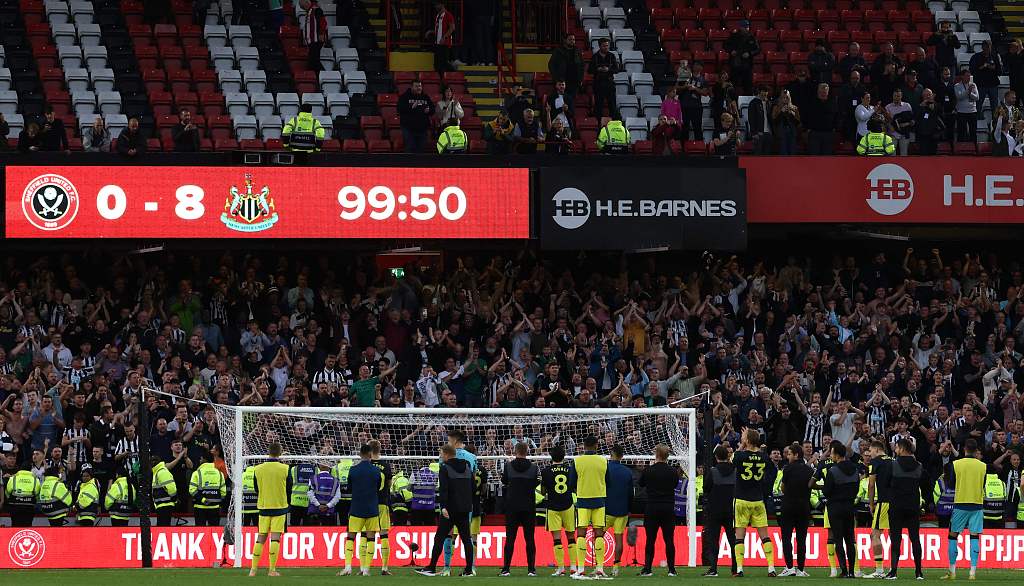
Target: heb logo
[572, 208]
[26, 548]
[890, 189]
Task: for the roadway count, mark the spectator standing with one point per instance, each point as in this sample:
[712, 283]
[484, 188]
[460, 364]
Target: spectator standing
[29, 140]
[566, 64]
[901, 117]
[53, 135]
[415, 110]
[443, 34]
[885, 58]
[727, 141]
[759, 123]
[850, 96]
[986, 67]
[613, 137]
[557, 106]
[820, 120]
[691, 91]
[528, 134]
[1004, 118]
[852, 61]
[314, 32]
[498, 134]
[742, 48]
[663, 134]
[131, 142]
[930, 128]
[96, 138]
[862, 114]
[449, 107]
[821, 62]
[912, 91]
[786, 118]
[929, 72]
[802, 90]
[185, 134]
[946, 97]
[967, 97]
[1015, 67]
[517, 101]
[946, 43]
[723, 99]
[603, 66]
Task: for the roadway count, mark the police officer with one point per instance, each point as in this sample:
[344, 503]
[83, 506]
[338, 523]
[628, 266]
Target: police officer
[250, 513]
[88, 501]
[22, 491]
[303, 133]
[943, 496]
[165, 493]
[120, 501]
[613, 138]
[54, 498]
[324, 494]
[208, 490]
[794, 512]
[452, 139]
[300, 474]
[995, 501]
[876, 143]
[720, 488]
[424, 493]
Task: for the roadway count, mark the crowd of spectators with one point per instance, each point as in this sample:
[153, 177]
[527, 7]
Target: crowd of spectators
[851, 348]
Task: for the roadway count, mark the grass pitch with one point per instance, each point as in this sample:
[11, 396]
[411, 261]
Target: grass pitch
[405, 576]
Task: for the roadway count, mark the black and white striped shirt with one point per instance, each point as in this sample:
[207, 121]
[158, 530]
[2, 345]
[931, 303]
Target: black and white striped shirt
[77, 449]
[814, 430]
[128, 446]
[177, 336]
[75, 376]
[330, 376]
[218, 310]
[878, 418]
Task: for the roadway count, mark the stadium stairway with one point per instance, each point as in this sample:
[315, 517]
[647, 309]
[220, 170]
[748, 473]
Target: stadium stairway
[1012, 12]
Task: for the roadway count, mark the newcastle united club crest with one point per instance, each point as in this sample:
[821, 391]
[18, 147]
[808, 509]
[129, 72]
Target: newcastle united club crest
[249, 211]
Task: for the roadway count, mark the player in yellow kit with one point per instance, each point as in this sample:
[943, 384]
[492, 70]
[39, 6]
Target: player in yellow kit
[968, 476]
[272, 482]
[591, 470]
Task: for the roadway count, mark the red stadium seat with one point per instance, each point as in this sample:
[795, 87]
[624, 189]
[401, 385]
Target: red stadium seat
[759, 19]
[875, 20]
[251, 144]
[662, 17]
[782, 18]
[866, 39]
[984, 148]
[227, 144]
[828, 20]
[379, 146]
[837, 38]
[710, 18]
[791, 40]
[331, 145]
[853, 20]
[671, 40]
[695, 39]
[923, 20]
[696, 148]
[733, 17]
[965, 148]
[805, 19]
[353, 145]
[479, 147]
[899, 20]
[768, 39]
[717, 39]
[643, 147]
[778, 61]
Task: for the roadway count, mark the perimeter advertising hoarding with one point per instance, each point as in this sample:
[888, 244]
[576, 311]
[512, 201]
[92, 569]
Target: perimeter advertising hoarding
[623, 208]
[266, 202]
[200, 547]
[902, 190]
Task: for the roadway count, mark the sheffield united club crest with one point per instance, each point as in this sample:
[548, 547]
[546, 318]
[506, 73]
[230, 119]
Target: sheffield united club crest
[248, 210]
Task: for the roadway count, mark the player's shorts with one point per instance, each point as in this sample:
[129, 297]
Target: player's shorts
[587, 517]
[750, 514]
[361, 524]
[271, 524]
[972, 521]
[617, 524]
[558, 520]
[384, 517]
[880, 520]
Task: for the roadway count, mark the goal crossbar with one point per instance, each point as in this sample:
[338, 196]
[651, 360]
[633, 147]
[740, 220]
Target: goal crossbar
[236, 460]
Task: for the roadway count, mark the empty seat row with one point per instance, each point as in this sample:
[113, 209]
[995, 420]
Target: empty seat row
[631, 105]
[87, 35]
[74, 57]
[641, 83]
[612, 18]
[620, 39]
[99, 80]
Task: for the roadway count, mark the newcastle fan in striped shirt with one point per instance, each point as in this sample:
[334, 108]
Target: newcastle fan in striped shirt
[329, 373]
[814, 428]
[878, 412]
[126, 453]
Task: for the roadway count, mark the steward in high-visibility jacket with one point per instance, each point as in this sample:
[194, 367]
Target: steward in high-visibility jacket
[995, 500]
[250, 513]
[208, 490]
[301, 474]
[876, 143]
[699, 491]
[452, 139]
[88, 501]
[340, 473]
[613, 138]
[120, 501]
[22, 491]
[303, 133]
[401, 496]
[54, 498]
[165, 493]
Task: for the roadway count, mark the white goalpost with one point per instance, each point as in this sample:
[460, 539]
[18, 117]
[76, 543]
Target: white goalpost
[410, 439]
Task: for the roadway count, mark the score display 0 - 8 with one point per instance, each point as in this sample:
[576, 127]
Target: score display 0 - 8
[420, 204]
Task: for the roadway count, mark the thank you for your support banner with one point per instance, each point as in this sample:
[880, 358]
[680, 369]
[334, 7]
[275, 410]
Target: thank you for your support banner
[634, 208]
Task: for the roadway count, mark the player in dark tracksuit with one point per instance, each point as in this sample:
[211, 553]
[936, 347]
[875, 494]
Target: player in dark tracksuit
[719, 491]
[455, 499]
[520, 479]
[907, 483]
[840, 488]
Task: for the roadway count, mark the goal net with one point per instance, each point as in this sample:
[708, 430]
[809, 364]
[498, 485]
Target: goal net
[411, 438]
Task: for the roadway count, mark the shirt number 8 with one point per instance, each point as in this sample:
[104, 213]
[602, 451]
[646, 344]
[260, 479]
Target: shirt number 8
[561, 484]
